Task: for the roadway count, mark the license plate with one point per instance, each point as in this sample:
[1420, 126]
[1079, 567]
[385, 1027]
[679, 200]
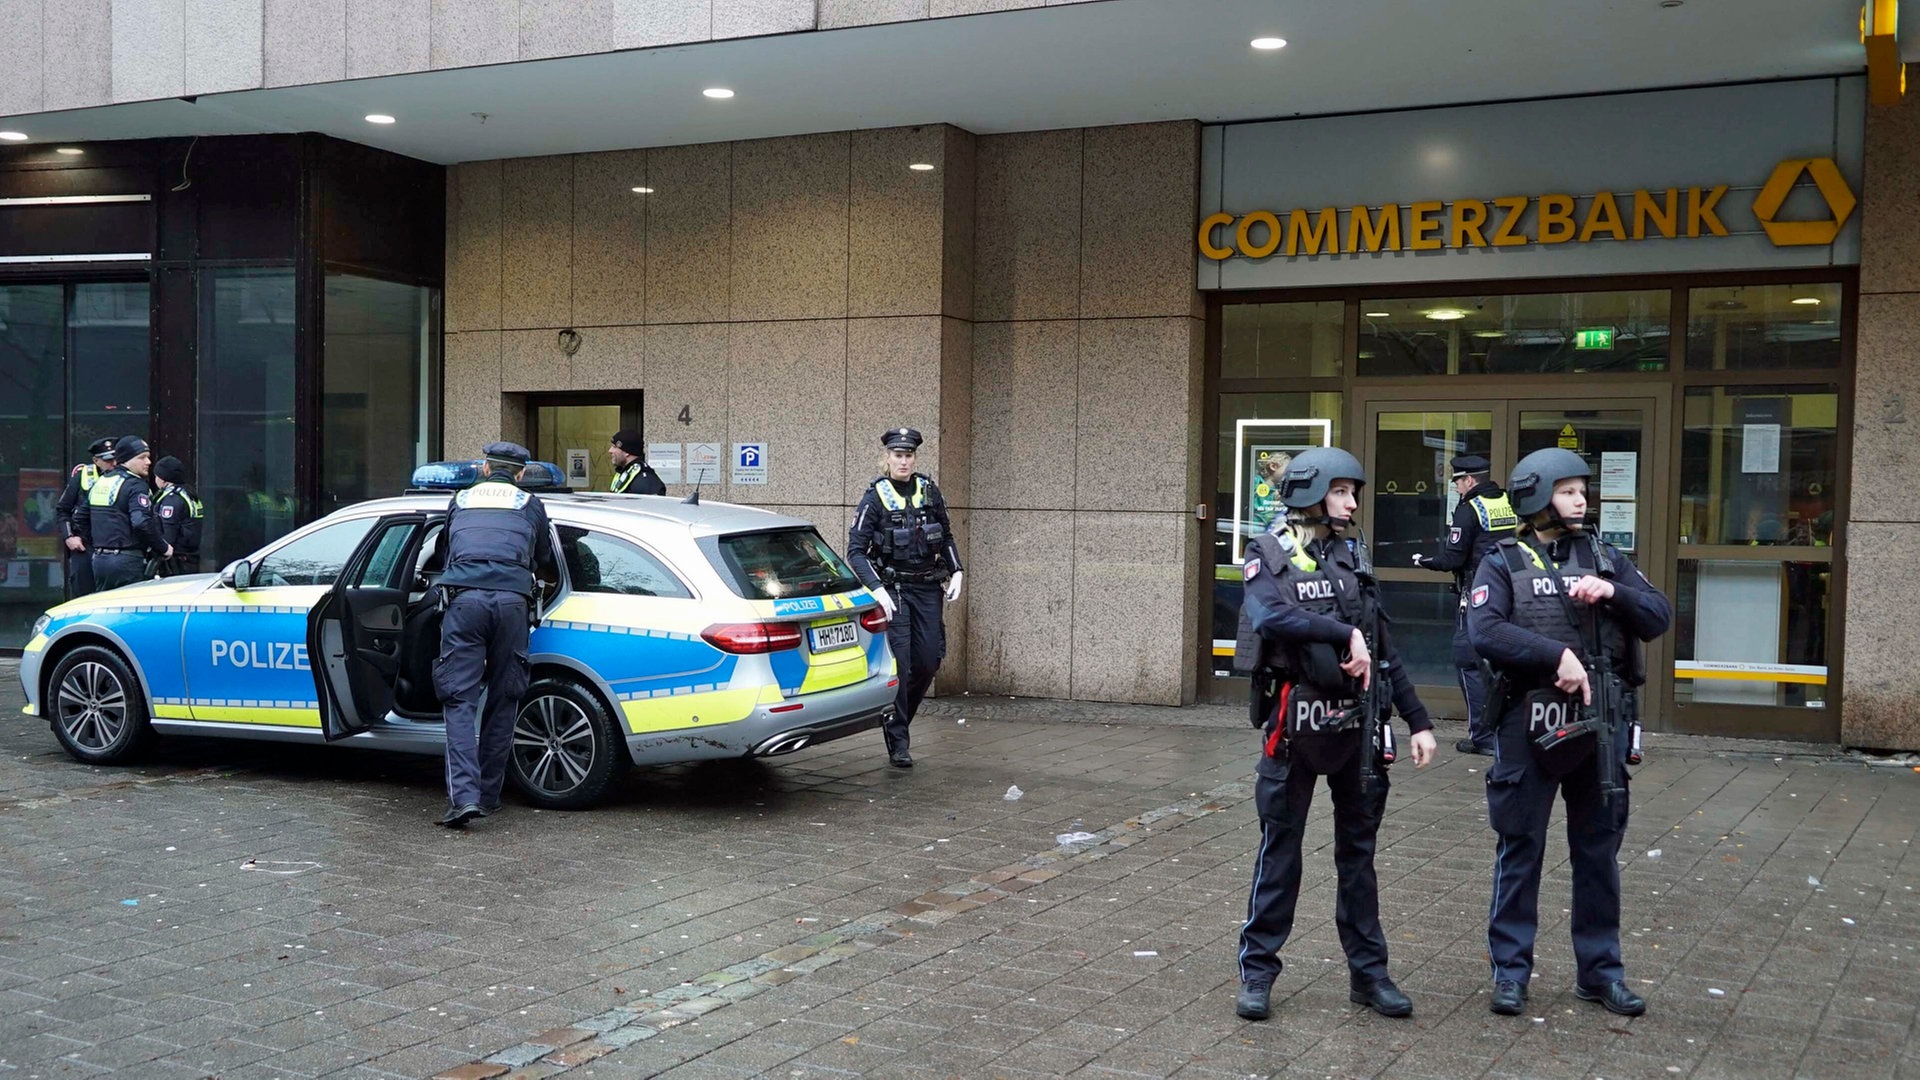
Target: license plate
[836, 636]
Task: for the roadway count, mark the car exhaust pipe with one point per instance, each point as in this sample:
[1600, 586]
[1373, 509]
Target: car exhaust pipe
[781, 744]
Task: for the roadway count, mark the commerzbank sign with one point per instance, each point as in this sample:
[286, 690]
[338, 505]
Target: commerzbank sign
[1517, 220]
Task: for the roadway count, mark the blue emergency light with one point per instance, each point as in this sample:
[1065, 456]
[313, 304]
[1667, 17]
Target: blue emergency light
[455, 475]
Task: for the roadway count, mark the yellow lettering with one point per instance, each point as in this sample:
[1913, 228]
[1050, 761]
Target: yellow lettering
[1323, 234]
[1645, 210]
[1213, 222]
[1246, 246]
[1468, 216]
[1603, 214]
[1423, 225]
[1700, 211]
[1506, 235]
[1368, 233]
[1556, 219]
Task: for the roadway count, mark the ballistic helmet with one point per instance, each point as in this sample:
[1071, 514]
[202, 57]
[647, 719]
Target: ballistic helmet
[1312, 472]
[1536, 475]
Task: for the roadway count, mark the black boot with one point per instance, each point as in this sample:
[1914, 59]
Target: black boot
[1252, 1002]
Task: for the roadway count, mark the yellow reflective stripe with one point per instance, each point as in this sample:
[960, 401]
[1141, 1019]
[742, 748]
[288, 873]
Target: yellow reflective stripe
[104, 492]
[1299, 558]
[698, 711]
[238, 714]
[38, 643]
[88, 474]
[890, 497]
[172, 712]
[1496, 513]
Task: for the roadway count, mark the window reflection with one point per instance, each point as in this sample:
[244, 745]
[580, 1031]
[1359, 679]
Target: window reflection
[1546, 333]
[1758, 465]
[1762, 327]
[246, 394]
[376, 404]
[1752, 633]
[33, 464]
[1267, 341]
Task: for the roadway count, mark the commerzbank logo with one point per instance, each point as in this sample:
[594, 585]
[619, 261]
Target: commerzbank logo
[1519, 220]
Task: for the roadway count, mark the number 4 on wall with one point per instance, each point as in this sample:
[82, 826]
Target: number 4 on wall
[686, 415]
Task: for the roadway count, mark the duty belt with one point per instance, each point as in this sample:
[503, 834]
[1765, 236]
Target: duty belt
[119, 551]
[914, 577]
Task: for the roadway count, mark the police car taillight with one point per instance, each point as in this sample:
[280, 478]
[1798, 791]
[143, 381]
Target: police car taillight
[874, 620]
[748, 638]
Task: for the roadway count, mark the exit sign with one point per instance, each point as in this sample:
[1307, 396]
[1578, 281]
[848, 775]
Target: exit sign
[1593, 337]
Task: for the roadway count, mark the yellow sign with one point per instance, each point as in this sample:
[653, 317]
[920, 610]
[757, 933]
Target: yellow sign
[1568, 439]
[1880, 33]
[1672, 213]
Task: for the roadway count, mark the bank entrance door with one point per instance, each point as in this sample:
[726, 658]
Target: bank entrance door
[1407, 507]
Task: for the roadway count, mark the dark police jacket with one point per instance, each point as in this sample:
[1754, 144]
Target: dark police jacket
[118, 513]
[79, 482]
[901, 532]
[181, 517]
[1302, 604]
[1482, 519]
[638, 478]
[1518, 616]
[496, 536]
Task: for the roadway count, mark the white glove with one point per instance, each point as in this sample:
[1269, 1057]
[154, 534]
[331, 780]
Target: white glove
[886, 602]
[953, 586]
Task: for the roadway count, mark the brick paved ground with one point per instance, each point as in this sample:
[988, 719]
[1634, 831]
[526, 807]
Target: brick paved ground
[250, 911]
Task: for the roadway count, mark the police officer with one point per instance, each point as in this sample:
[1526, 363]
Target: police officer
[117, 523]
[1311, 598]
[902, 546]
[181, 517]
[1559, 614]
[79, 482]
[1482, 517]
[632, 475]
[497, 536]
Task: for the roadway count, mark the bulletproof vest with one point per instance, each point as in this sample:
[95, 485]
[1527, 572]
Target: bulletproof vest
[1328, 587]
[1540, 603]
[908, 536]
[1251, 650]
[490, 528]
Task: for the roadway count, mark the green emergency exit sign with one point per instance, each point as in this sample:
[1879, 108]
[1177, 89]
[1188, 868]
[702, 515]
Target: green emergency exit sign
[1593, 337]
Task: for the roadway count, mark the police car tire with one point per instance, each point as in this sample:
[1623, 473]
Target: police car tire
[102, 717]
[609, 749]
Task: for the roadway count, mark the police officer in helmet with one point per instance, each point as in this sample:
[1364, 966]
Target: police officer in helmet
[181, 517]
[1482, 517]
[497, 538]
[79, 482]
[117, 523]
[902, 547]
[1561, 616]
[1326, 673]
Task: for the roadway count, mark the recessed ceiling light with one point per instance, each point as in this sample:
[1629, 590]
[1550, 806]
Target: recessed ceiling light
[13, 136]
[1446, 314]
[920, 166]
[1268, 44]
[1806, 299]
[1379, 315]
[1489, 333]
[379, 118]
[643, 191]
[717, 92]
[70, 151]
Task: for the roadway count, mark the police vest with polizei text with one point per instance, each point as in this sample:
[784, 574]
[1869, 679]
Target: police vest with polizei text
[105, 490]
[1541, 606]
[1330, 588]
[909, 537]
[88, 474]
[491, 527]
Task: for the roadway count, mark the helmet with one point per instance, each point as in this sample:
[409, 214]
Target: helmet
[1312, 472]
[1536, 475]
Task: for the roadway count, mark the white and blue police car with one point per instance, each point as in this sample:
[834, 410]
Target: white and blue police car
[674, 632]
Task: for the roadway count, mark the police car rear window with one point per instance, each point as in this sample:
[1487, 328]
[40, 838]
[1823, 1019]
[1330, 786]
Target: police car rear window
[781, 564]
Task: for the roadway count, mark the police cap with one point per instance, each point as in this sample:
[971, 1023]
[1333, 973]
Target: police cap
[170, 469]
[626, 439]
[101, 448]
[506, 453]
[901, 438]
[1470, 465]
[128, 448]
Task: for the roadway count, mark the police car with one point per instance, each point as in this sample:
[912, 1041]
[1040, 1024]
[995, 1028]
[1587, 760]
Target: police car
[674, 632]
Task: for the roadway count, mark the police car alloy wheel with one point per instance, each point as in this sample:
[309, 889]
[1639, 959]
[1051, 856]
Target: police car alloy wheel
[96, 708]
[566, 748]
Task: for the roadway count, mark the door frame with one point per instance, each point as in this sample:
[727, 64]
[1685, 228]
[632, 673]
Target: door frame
[632, 404]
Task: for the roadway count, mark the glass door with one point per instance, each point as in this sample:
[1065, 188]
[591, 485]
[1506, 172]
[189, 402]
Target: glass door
[573, 431]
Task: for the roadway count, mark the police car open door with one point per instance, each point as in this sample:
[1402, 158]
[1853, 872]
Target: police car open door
[355, 633]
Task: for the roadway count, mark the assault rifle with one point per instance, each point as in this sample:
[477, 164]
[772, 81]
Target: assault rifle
[1611, 710]
[1376, 701]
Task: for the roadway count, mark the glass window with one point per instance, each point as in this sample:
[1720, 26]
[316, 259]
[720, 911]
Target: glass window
[376, 405]
[1763, 327]
[314, 559]
[245, 387]
[1278, 341]
[598, 563]
[1758, 465]
[382, 567]
[1546, 333]
[787, 563]
[112, 359]
[1413, 496]
[33, 461]
[1752, 632]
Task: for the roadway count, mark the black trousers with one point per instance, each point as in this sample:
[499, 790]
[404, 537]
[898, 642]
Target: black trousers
[114, 569]
[1282, 793]
[79, 574]
[1472, 683]
[483, 646]
[919, 642]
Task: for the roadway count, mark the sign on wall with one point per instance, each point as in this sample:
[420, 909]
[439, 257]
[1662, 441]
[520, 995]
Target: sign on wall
[1720, 178]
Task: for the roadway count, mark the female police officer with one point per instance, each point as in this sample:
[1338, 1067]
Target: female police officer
[1559, 614]
[1310, 592]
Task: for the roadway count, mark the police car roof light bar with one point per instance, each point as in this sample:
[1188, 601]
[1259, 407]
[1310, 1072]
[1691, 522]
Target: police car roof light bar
[455, 475]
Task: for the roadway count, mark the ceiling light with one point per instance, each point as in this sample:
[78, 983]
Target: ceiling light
[1446, 314]
[717, 92]
[643, 191]
[1806, 299]
[920, 166]
[379, 118]
[1379, 315]
[1268, 44]
[70, 151]
[12, 136]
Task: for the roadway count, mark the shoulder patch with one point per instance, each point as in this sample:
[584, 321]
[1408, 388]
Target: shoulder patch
[1479, 596]
[1252, 569]
[141, 501]
[1453, 535]
[166, 511]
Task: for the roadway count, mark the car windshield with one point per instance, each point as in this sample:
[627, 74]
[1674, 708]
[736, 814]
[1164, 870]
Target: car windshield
[781, 564]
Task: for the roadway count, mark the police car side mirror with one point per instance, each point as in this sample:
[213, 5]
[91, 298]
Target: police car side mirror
[238, 575]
